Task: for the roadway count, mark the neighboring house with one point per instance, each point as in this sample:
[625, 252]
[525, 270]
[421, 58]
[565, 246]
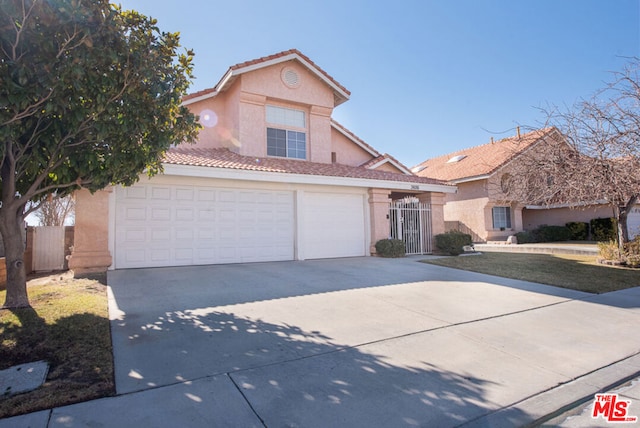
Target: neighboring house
[272, 177]
[480, 208]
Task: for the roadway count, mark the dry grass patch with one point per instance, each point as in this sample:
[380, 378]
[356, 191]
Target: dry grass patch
[576, 272]
[67, 326]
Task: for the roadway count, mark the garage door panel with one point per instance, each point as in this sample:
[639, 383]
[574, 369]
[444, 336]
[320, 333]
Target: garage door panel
[160, 193]
[334, 225]
[181, 225]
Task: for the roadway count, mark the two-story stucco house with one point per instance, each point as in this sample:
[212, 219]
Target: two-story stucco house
[272, 177]
[480, 207]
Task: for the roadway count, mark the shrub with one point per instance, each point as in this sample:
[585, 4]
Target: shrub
[603, 229]
[632, 252]
[390, 248]
[453, 242]
[609, 251]
[579, 231]
[544, 233]
[525, 237]
[553, 233]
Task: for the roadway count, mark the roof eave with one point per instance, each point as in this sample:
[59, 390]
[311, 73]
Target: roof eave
[469, 179]
[340, 95]
[285, 177]
[200, 98]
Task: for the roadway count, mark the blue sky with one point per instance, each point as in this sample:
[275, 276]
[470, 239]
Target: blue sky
[426, 77]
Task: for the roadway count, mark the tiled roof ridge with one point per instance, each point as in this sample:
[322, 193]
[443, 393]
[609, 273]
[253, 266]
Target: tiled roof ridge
[483, 160]
[368, 164]
[385, 156]
[398, 162]
[198, 94]
[225, 158]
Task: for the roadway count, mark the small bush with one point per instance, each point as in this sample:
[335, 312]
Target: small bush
[525, 237]
[609, 251]
[390, 248]
[453, 242]
[544, 233]
[579, 231]
[632, 252]
[551, 233]
[603, 229]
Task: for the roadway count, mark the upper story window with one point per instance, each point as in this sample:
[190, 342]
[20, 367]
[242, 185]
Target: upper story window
[286, 136]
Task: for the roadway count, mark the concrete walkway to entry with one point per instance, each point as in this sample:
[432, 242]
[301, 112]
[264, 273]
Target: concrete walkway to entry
[361, 342]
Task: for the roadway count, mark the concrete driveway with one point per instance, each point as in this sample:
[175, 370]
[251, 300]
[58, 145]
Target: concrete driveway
[354, 342]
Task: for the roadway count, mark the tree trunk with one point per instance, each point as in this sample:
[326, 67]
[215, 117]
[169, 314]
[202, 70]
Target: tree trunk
[622, 213]
[11, 225]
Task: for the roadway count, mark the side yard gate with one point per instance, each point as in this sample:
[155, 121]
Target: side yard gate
[48, 248]
[410, 221]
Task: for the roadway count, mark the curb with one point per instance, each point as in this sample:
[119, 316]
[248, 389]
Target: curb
[547, 405]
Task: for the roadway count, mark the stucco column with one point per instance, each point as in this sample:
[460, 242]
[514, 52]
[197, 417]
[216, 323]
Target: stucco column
[517, 225]
[379, 209]
[437, 210]
[91, 234]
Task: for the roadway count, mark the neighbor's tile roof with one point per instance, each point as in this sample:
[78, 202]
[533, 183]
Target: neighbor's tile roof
[224, 158]
[481, 160]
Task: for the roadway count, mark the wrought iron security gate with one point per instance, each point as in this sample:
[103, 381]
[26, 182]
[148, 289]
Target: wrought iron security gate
[410, 221]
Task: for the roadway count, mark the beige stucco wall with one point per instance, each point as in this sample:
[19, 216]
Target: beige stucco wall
[437, 201]
[319, 135]
[241, 115]
[252, 134]
[91, 237]
[379, 212]
[533, 218]
[267, 81]
[472, 207]
[347, 152]
[389, 167]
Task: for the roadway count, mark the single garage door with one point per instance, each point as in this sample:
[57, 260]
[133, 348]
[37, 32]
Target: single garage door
[172, 225]
[334, 225]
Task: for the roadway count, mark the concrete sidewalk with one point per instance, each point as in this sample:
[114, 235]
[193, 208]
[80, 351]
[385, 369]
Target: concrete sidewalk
[352, 342]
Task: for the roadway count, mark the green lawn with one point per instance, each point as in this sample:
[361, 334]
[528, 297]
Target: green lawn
[576, 272]
[67, 326]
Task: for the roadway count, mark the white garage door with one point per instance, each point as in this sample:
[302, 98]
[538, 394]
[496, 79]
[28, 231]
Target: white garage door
[633, 222]
[334, 225]
[171, 225]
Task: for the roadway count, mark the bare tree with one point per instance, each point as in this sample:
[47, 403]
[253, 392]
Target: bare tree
[595, 156]
[54, 211]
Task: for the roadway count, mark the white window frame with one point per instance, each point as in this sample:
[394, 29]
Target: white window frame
[501, 217]
[292, 123]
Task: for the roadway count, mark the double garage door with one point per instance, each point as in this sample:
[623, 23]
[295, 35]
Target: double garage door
[177, 225]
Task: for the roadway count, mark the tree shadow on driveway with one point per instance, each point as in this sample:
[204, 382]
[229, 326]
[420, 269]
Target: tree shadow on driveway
[292, 377]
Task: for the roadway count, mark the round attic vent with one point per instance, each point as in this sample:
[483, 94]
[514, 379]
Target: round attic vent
[290, 78]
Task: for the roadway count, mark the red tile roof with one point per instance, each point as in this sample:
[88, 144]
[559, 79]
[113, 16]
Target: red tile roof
[388, 158]
[224, 158]
[198, 94]
[480, 161]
